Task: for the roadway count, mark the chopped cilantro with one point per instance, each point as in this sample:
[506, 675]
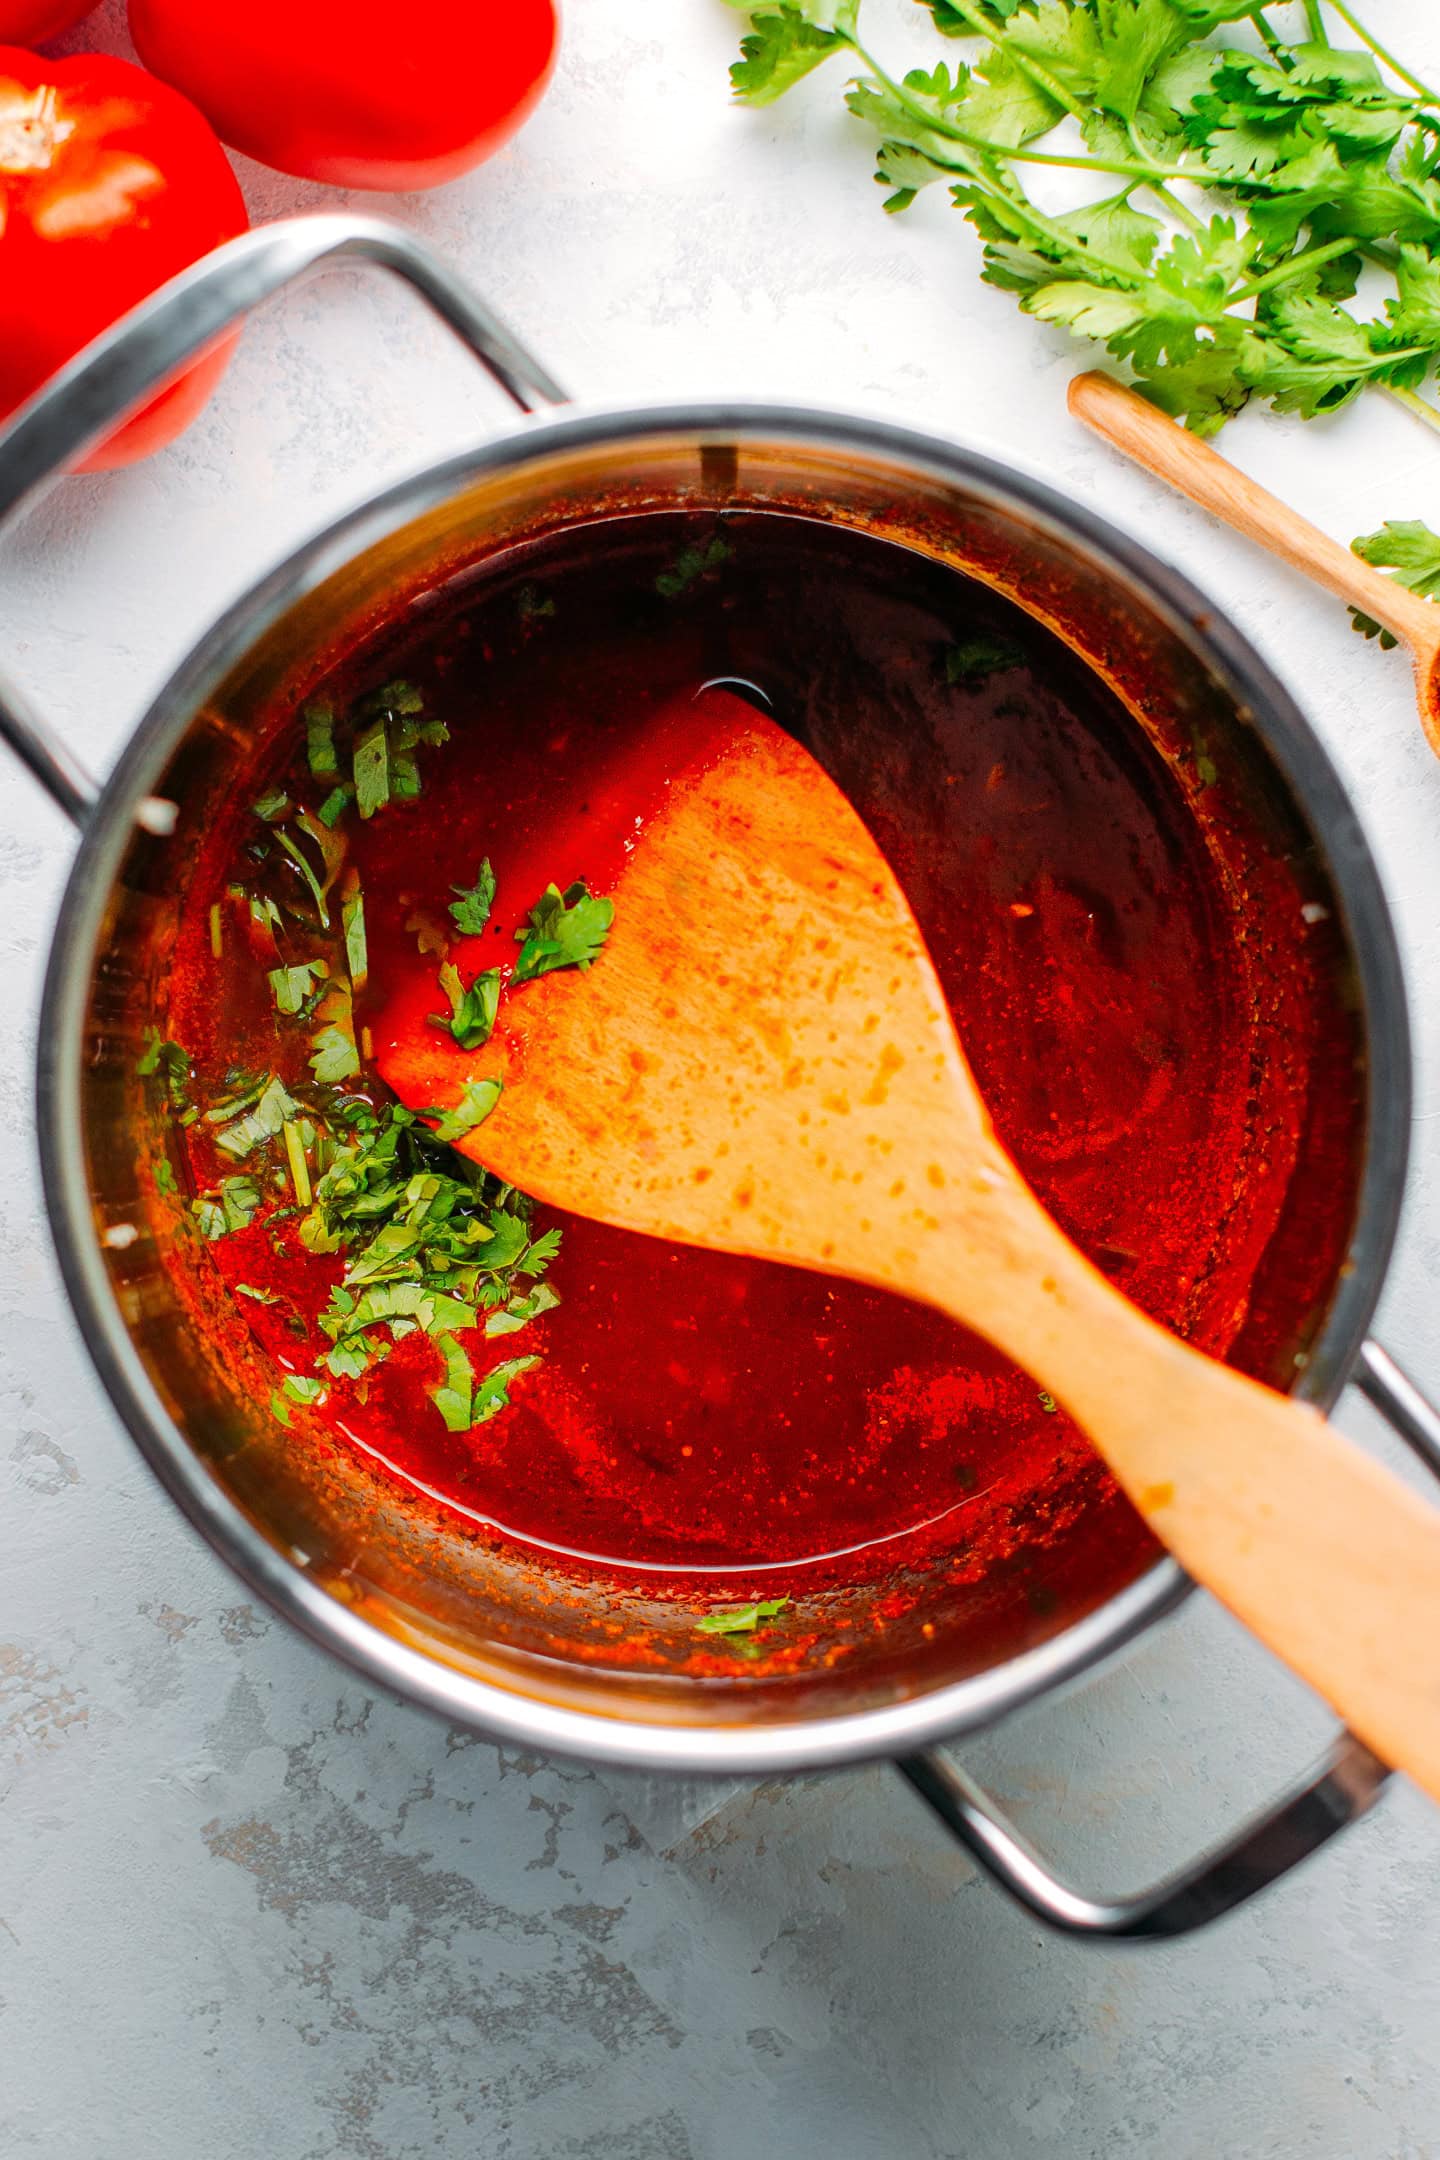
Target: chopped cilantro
[975, 659]
[384, 761]
[432, 1241]
[566, 930]
[352, 917]
[273, 804]
[280, 1409]
[333, 1055]
[273, 1105]
[478, 1098]
[300, 1388]
[493, 1393]
[372, 767]
[472, 1011]
[517, 1310]
[231, 1206]
[165, 1181]
[168, 1062]
[261, 1297]
[690, 565]
[740, 1619]
[336, 803]
[291, 986]
[319, 718]
[532, 605]
[295, 1157]
[1048, 1403]
[455, 1398]
[472, 905]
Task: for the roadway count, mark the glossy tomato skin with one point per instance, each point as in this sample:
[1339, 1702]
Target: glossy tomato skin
[110, 183]
[30, 22]
[357, 93]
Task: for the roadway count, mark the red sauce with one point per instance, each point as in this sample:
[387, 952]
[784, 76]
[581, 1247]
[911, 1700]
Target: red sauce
[696, 1412]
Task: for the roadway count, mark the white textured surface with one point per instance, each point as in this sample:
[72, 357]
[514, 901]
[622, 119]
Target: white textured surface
[246, 1908]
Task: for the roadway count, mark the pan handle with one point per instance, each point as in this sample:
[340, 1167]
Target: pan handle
[122, 369]
[1345, 1787]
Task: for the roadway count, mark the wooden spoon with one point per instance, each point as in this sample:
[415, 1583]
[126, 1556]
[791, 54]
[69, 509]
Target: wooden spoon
[1192, 468]
[762, 1060]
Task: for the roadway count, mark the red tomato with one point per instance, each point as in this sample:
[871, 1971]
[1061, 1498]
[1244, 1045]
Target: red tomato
[359, 93]
[110, 183]
[28, 22]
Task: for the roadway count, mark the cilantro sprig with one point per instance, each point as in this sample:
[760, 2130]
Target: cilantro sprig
[1239, 193]
[565, 930]
[1412, 552]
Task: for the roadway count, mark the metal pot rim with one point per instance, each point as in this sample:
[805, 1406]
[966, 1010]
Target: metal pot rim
[897, 1728]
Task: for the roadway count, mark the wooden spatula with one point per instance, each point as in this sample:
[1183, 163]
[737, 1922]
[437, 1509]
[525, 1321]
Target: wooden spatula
[762, 1060]
[1193, 469]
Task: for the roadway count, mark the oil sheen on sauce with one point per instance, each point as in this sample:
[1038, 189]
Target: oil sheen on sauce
[700, 1413]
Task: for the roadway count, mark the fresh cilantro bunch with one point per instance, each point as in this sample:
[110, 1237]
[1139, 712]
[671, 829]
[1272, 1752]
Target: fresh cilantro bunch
[1240, 189]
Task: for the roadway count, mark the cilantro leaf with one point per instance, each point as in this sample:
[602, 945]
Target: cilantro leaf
[690, 565]
[566, 930]
[1412, 551]
[537, 1256]
[273, 1105]
[371, 767]
[333, 1055]
[302, 1389]
[230, 1207]
[167, 1062]
[319, 718]
[493, 1393]
[477, 1100]
[383, 763]
[975, 659]
[455, 1399]
[352, 921]
[336, 803]
[518, 1310]
[471, 909]
[740, 1619]
[473, 1010]
[291, 986]
[785, 43]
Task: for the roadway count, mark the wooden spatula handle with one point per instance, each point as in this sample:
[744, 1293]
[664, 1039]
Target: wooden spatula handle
[1149, 438]
[1324, 1553]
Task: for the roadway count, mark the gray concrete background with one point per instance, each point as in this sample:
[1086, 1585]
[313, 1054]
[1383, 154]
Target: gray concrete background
[247, 1907]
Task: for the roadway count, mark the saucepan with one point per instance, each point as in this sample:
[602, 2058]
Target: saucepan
[492, 1638]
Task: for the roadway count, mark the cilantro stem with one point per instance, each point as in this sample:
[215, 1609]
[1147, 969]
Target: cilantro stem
[1292, 267]
[1421, 407]
[1258, 18]
[1412, 82]
[1314, 23]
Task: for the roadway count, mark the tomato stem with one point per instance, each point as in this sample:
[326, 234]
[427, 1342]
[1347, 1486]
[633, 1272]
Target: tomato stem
[32, 130]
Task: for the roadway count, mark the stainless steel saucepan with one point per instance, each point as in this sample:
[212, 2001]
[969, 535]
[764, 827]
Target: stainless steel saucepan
[465, 1625]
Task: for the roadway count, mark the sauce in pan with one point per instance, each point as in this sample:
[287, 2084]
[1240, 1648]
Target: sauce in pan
[690, 1411]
